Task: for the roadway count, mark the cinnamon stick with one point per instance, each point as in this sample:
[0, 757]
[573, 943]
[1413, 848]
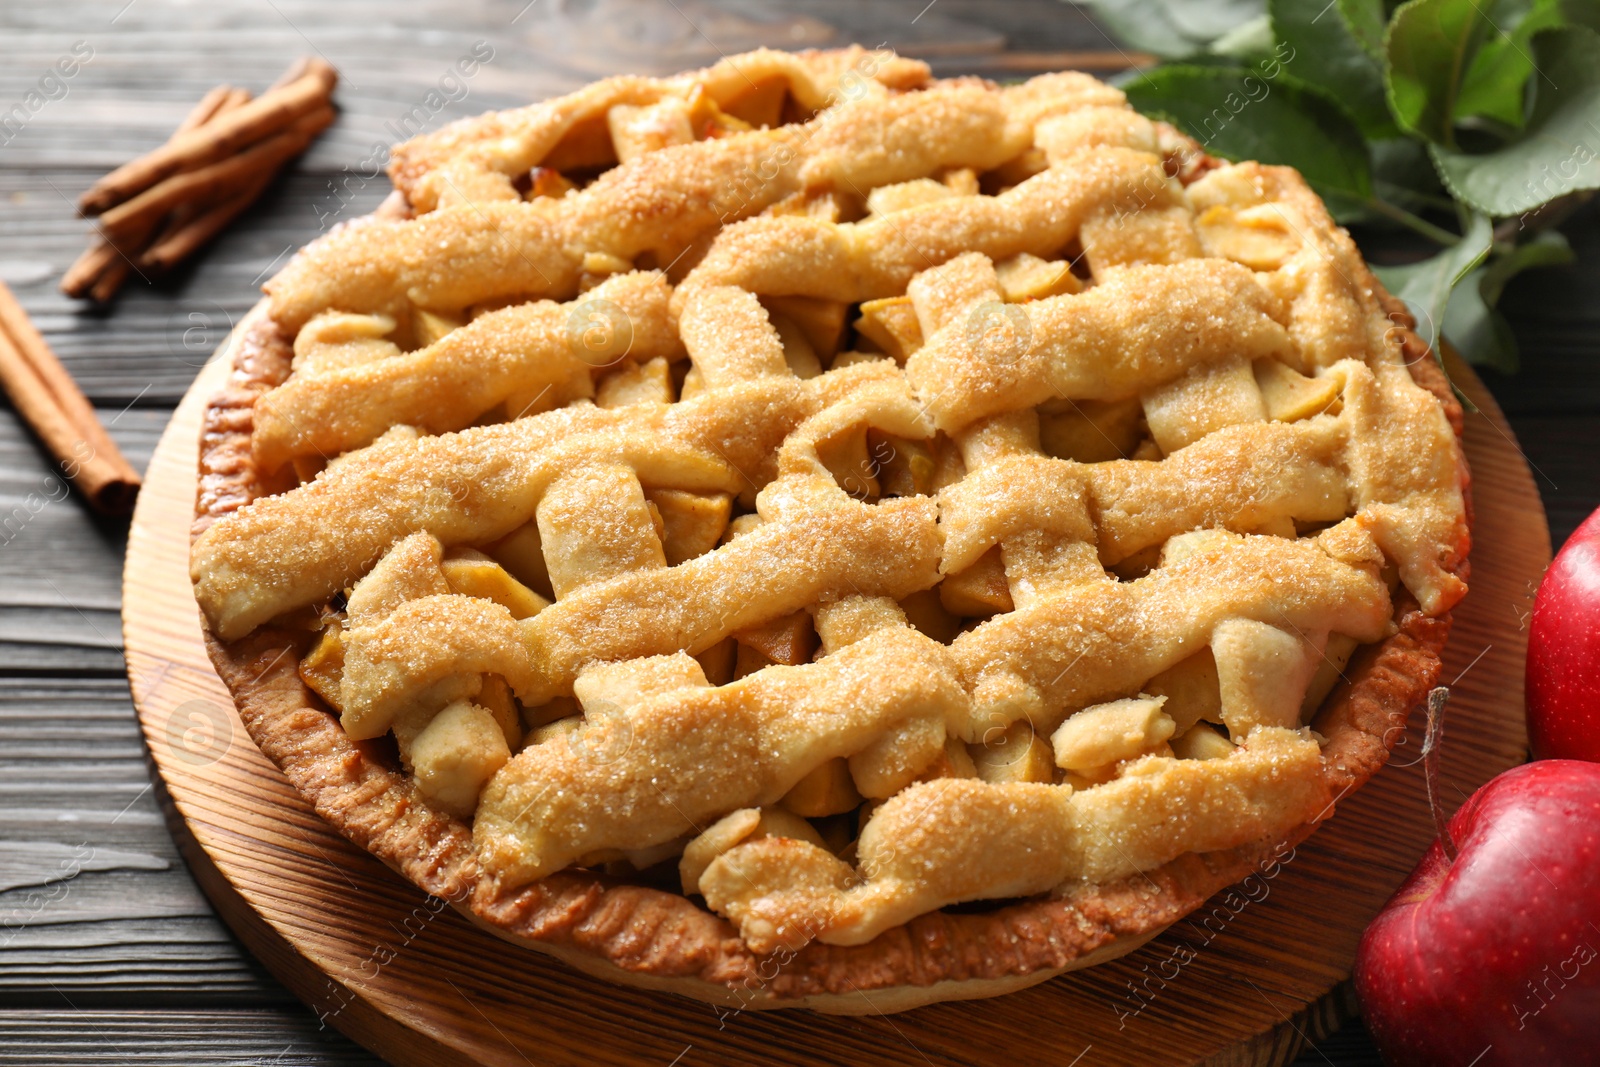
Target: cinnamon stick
[102, 268]
[131, 248]
[88, 266]
[215, 179]
[47, 398]
[235, 99]
[179, 219]
[303, 66]
[215, 100]
[163, 207]
[105, 287]
[267, 114]
[179, 242]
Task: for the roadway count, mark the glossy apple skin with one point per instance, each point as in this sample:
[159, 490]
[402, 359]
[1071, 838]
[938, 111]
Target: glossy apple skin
[1563, 679]
[1495, 959]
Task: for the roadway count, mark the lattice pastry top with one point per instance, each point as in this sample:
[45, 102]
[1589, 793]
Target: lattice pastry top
[838, 493]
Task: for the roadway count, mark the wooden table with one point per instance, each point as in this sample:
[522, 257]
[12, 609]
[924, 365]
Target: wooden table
[108, 952]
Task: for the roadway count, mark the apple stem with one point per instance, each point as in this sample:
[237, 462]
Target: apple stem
[1437, 698]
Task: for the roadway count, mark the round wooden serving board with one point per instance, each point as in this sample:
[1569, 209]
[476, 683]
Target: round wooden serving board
[1248, 980]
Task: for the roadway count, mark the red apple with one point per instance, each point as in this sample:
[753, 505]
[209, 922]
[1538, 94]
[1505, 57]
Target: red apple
[1563, 680]
[1494, 958]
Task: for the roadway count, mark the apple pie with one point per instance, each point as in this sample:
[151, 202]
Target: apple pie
[804, 533]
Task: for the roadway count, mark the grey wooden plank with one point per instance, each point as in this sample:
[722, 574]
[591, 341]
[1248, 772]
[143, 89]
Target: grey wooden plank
[276, 1036]
[180, 960]
[147, 348]
[141, 75]
[61, 564]
[21, 658]
[98, 904]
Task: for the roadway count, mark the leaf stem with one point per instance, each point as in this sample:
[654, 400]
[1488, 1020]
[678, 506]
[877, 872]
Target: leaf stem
[1437, 234]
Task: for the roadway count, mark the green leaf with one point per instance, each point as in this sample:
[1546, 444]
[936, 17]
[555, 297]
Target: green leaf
[1471, 320]
[1582, 13]
[1558, 153]
[1403, 174]
[1326, 52]
[1425, 286]
[1240, 113]
[1172, 29]
[1367, 19]
[1246, 42]
[1495, 84]
[1479, 332]
[1429, 46]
